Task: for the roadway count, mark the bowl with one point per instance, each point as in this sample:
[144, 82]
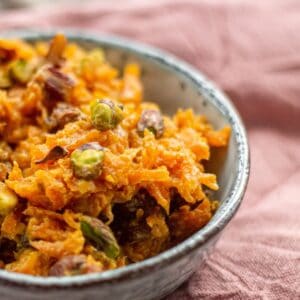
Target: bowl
[173, 84]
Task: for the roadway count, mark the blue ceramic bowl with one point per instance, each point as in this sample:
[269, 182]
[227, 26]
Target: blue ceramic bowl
[172, 83]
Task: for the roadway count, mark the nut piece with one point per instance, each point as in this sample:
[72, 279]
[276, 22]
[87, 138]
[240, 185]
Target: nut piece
[61, 115]
[8, 200]
[21, 71]
[87, 161]
[151, 120]
[57, 85]
[106, 114]
[100, 235]
[73, 265]
[54, 154]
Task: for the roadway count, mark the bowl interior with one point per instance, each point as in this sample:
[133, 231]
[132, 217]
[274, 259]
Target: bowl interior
[172, 90]
[173, 84]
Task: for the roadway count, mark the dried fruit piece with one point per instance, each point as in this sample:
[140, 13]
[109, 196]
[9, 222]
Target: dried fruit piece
[54, 154]
[128, 227]
[57, 85]
[7, 55]
[7, 248]
[153, 121]
[73, 265]
[61, 115]
[8, 200]
[101, 235]
[87, 161]
[106, 114]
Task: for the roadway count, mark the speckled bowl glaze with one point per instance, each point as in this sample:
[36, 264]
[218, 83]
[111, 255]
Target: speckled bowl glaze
[173, 84]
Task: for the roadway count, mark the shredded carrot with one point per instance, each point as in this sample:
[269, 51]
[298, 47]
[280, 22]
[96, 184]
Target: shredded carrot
[150, 188]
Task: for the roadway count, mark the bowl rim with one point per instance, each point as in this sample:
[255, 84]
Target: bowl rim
[219, 220]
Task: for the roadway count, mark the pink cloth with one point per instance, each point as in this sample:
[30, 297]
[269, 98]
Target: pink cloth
[252, 50]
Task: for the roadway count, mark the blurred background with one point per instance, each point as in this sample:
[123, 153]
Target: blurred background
[18, 4]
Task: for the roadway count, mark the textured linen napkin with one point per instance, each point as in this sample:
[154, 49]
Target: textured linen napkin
[252, 50]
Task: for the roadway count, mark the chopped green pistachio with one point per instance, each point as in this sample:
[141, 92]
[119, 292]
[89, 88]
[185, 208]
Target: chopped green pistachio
[21, 71]
[153, 121]
[101, 235]
[87, 161]
[105, 114]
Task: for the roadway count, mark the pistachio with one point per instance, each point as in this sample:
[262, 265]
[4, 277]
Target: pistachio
[8, 199]
[21, 71]
[105, 114]
[151, 120]
[100, 235]
[61, 115]
[87, 161]
[73, 265]
[57, 85]
[23, 242]
[7, 249]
